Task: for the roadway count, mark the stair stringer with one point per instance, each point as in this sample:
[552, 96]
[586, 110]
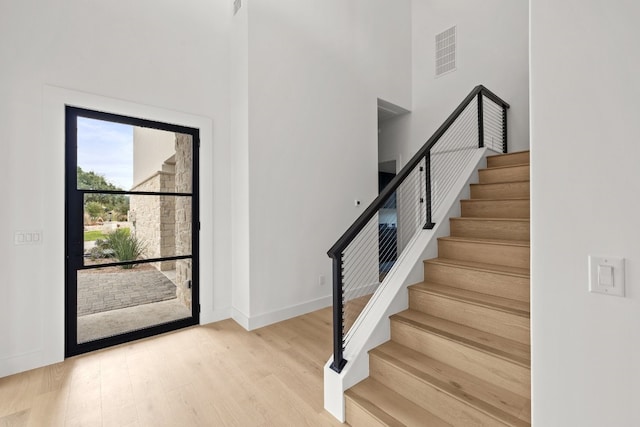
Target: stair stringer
[373, 327]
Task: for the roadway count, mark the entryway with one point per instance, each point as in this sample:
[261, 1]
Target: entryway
[131, 229]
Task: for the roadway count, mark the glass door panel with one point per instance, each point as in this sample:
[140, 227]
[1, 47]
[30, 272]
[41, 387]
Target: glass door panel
[132, 241]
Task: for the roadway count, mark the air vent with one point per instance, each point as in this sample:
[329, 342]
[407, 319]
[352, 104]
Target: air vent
[237, 4]
[446, 51]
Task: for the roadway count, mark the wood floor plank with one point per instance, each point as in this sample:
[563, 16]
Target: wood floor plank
[217, 374]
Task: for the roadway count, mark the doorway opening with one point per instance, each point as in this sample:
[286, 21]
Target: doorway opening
[131, 229]
[388, 164]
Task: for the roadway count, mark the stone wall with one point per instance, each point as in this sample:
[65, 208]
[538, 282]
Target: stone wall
[155, 218]
[163, 223]
[183, 216]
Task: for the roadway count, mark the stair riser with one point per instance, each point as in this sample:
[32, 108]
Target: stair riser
[508, 160]
[509, 174]
[493, 321]
[490, 229]
[488, 367]
[356, 416]
[508, 255]
[495, 208]
[507, 286]
[507, 190]
[431, 398]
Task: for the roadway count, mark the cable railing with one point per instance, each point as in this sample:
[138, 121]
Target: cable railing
[365, 254]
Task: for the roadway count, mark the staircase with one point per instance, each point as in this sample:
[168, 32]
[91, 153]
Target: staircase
[460, 355]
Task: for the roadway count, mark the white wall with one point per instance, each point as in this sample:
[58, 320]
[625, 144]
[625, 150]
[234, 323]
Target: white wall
[151, 148]
[314, 79]
[239, 106]
[162, 58]
[585, 186]
[492, 49]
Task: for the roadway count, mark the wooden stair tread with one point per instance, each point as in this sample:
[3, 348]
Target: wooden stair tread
[476, 218]
[491, 268]
[496, 207]
[389, 407]
[485, 241]
[512, 153]
[493, 200]
[501, 183]
[515, 189]
[501, 404]
[517, 165]
[506, 349]
[518, 308]
[517, 157]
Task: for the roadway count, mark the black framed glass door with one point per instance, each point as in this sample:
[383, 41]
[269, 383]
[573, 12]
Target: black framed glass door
[131, 229]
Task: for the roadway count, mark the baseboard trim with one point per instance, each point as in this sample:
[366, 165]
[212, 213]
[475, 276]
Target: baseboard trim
[215, 315]
[254, 322]
[240, 318]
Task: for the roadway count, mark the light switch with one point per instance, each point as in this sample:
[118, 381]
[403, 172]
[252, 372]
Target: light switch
[606, 275]
[27, 237]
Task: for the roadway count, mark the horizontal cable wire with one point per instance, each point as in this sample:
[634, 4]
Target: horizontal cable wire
[368, 259]
[493, 125]
[374, 251]
[453, 152]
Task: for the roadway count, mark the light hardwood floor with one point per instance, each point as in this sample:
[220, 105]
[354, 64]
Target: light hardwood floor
[213, 375]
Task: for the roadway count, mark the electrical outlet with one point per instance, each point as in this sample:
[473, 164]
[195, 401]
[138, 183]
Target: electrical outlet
[321, 280]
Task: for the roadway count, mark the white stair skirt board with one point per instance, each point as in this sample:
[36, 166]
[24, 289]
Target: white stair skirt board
[373, 328]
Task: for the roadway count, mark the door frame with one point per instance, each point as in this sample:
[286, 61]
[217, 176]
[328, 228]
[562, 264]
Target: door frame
[74, 235]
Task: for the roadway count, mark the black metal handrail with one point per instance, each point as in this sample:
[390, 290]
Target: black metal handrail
[336, 251]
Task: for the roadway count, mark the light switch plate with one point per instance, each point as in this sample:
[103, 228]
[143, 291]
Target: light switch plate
[599, 279]
[32, 237]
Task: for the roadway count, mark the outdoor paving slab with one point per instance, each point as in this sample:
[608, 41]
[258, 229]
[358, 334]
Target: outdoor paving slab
[114, 322]
[99, 292]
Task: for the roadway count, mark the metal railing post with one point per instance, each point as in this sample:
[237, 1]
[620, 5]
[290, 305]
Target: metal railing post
[338, 322]
[427, 171]
[504, 129]
[480, 121]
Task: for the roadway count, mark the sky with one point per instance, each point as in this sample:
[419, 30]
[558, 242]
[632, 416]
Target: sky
[106, 148]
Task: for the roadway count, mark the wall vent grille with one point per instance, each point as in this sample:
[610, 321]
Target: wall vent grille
[446, 51]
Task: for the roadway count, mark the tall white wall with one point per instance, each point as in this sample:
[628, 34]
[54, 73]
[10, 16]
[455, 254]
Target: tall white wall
[585, 186]
[172, 57]
[239, 106]
[315, 72]
[151, 148]
[492, 49]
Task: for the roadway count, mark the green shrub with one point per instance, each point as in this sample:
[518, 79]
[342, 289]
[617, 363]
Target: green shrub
[100, 250]
[125, 246]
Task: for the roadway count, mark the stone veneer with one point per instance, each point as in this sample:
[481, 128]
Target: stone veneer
[154, 218]
[163, 223]
[183, 216]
